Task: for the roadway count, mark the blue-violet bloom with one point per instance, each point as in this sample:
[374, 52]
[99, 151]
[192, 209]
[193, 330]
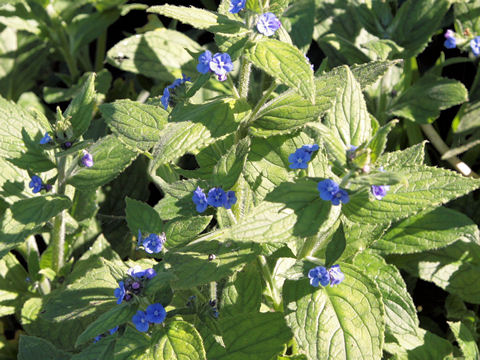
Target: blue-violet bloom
[87, 159]
[204, 59]
[310, 148]
[221, 64]
[299, 159]
[113, 330]
[119, 292]
[475, 45]
[335, 274]
[200, 200]
[268, 23]
[318, 275]
[216, 197]
[236, 6]
[153, 243]
[136, 271]
[156, 313]
[36, 184]
[97, 338]
[450, 41]
[140, 321]
[230, 199]
[165, 99]
[46, 139]
[379, 191]
[327, 188]
[150, 273]
[340, 196]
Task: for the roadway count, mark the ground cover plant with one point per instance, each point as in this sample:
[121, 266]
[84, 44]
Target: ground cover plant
[244, 179]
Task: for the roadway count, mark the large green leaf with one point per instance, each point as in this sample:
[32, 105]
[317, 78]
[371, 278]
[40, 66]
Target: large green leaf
[465, 339]
[81, 107]
[439, 94]
[178, 341]
[368, 74]
[141, 216]
[427, 231]
[341, 322]
[133, 345]
[137, 125]
[30, 347]
[160, 54]
[286, 64]
[298, 21]
[110, 158]
[230, 165]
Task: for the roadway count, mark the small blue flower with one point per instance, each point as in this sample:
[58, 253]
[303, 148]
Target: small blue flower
[327, 188]
[97, 338]
[216, 197]
[221, 64]
[475, 45]
[450, 41]
[340, 196]
[335, 274]
[140, 321]
[236, 6]
[204, 59]
[379, 191]
[113, 330]
[268, 23]
[156, 313]
[299, 159]
[200, 200]
[36, 184]
[310, 148]
[165, 99]
[119, 292]
[136, 271]
[153, 243]
[46, 139]
[87, 159]
[150, 273]
[351, 152]
[230, 199]
[318, 275]
[215, 312]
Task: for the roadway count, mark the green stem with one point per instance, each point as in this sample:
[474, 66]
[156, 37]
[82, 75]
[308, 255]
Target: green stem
[57, 241]
[100, 51]
[213, 291]
[308, 247]
[270, 282]
[245, 77]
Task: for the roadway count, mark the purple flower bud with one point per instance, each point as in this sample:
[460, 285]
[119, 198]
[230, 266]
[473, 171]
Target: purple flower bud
[87, 159]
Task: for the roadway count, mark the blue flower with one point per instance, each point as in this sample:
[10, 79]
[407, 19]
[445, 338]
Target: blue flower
[156, 313]
[335, 274]
[268, 23]
[230, 199]
[87, 159]
[221, 64]
[113, 330]
[318, 275]
[327, 188]
[379, 191]
[216, 197]
[340, 196]
[203, 66]
[351, 152]
[165, 99]
[450, 41]
[119, 292]
[200, 200]
[138, 272]
[153, 243]
[36, 184]
[310, 148]
[46, 139]
[475, 45]
[236, 5]
[140, 321]
[97, 338]
[150, 273]
[299, 159]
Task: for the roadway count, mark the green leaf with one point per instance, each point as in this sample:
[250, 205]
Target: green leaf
[368, 74]
[179, 341]
[12, 284]
[286, 64]
[101, 350]
[133, 345]
[465, 13]
[137, 125]
[201, 19]
[465, 339]
[242, 292]
[298, 21]
[439, 94]
[161, 54]
[360, 236]
[110, 158]
[81, 107]
[108, 320]
[230, 165]
[340, 322]
[411, 156]
[379, 141]
[254, 335]
[141, 216]
[341, 50]
[30, 347]
[181, 231]
[13, 182]
[349, 118]
[427, 231]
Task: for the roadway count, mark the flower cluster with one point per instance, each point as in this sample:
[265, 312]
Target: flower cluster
[236, 6]
[111, 332]
[155, 314]
[330, 191]
[153, 243]
[220, 64]
[323, 276]
[268, 23]
[300, 158]
[37, 184]
[165, 99]
[217, 197]
[133, 284]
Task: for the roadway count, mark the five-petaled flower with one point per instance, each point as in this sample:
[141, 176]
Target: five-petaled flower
[204, 59]
[310, 148]
[299, 159]
[379, 191]
[200, 200]
[221, 64]
[156, 313]
[216, 197]
[119, 292]
[268, 23]
[140, 321]
[236, 6]
[230, 199]
[36, 184]
[87, 159]
[323, 276]
[138, 272]
[450, 41]
[153, 243]
[165, 99]
[475, 45]
[45, 139]
[330, 191]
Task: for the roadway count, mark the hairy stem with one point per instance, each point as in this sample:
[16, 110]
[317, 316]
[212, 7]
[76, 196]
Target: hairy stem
[270, 282]
[245, 70]
[57, 241]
